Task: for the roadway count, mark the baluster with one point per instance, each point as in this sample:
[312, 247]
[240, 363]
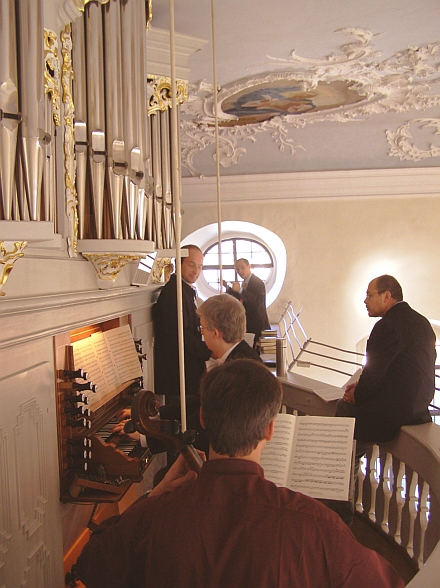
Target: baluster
[387, 485]
[374, 478]
[360, 483]
[400, 500]
[411, 498]
[424, 510]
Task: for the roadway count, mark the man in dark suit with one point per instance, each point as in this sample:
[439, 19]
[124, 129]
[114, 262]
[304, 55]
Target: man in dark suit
[252, 293]
[397, 383]
[166, 354]
[223, 325]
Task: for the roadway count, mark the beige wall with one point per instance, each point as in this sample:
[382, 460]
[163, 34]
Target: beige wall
[335, 246]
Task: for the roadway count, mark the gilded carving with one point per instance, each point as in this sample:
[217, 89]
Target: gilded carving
[69, 140]
[52, 73]
[9, 253]
[157, 271]
[81, 4]
[160, 93]
[108, 265]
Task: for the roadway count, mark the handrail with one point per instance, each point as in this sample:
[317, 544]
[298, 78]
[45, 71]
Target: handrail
[416, 446]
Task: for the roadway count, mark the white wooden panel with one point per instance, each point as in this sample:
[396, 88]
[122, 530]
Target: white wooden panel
[30, 524]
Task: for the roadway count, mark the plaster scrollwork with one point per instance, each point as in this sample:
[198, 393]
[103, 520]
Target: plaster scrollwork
[406, 81]
[402, 143]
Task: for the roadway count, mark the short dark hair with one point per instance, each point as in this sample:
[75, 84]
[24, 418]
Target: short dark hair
[389, 284]
[243, 259]
[225, 313]
[238, 399]
[189, 247]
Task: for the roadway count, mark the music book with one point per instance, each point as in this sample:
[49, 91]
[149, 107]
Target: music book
[311, 454]
[110, 358]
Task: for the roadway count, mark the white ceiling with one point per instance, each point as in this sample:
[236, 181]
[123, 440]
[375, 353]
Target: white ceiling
[393, 56]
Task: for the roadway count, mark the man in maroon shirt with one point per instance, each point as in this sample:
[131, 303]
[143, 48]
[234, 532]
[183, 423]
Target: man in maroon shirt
[230, 526]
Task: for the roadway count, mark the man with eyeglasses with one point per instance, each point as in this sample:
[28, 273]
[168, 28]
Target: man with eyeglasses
[397, 383]
[166, 352]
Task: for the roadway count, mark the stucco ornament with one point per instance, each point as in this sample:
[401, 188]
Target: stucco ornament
[408, 80]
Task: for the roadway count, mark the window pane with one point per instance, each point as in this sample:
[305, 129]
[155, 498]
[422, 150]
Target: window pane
[211, 258]
[261, 258]
[228, 259]
[233, 249]
[229, 275]
[211, 276]
[227, 246]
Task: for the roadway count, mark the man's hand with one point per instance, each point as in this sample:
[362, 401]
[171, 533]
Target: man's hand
[123, 417]
[178, 474]
[349, 393]
[236, 286]
[225, 284]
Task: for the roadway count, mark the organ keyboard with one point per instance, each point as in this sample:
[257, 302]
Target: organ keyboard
[96, 465]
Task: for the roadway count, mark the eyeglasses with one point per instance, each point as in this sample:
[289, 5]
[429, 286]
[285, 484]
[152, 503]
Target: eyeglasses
[201, 328]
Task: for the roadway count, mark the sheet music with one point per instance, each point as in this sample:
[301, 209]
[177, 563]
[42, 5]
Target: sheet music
[123, 351]
[86, 358]
[110, 358]
[321, 457]
[333, 393]
[329, 394]
[311, 455]
[105, 360]
[276, 454]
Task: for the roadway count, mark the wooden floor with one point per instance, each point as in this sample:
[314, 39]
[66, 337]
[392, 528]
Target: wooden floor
[371, 536]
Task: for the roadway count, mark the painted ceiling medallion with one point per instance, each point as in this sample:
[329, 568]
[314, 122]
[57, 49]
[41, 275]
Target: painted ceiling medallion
[346, 87]
[283, 97]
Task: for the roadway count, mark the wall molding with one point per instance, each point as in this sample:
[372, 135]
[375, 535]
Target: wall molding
[397, 183]
[29, 319]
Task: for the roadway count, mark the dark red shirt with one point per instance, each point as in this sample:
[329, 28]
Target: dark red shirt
[230, 528]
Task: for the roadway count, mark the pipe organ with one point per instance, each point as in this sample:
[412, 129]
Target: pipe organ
[27, 165]
[119, 152]
[124, 172]
[85, 156]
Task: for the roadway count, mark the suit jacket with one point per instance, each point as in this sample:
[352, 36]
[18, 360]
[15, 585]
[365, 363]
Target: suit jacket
[254, 302]
[166, 354]
[397, 383]
[172, 411]
[243, 351]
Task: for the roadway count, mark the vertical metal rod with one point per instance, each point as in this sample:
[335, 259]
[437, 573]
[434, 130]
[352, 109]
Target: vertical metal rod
[217, 154]
[175, 143]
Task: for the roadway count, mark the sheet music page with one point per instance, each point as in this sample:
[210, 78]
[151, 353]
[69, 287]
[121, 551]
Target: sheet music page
[329, 394]
[354, 378]
[87, 359]
[105, 360]
[123, 352]
[321, 457]
[275, 457]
